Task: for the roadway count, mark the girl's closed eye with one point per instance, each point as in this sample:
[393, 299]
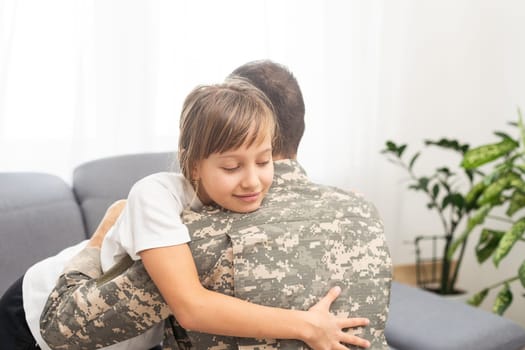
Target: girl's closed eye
[230, 168]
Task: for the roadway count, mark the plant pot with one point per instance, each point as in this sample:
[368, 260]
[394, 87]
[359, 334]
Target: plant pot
[429, 275]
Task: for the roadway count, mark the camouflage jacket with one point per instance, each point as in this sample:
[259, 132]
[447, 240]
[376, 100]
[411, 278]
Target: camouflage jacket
[304, 239]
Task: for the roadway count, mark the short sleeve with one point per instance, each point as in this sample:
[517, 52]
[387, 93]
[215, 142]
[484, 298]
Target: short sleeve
[152, 216]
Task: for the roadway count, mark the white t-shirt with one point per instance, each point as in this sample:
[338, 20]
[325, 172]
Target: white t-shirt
[151, 219]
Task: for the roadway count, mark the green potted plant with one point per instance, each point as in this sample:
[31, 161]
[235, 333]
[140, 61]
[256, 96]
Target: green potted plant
[499, 196]
[494, 191]
[446, 192]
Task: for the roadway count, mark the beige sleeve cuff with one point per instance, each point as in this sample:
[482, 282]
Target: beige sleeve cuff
[87, 262]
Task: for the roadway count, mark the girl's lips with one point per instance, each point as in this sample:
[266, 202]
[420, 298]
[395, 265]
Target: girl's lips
[250, 197]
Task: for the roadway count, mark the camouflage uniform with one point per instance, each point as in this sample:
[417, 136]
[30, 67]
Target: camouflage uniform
[304, 239]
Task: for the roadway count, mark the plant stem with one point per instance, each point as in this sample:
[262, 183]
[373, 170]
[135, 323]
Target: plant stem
[508, 280]
[449, 231]
[522, 129]
[432, 200]
[458, 265]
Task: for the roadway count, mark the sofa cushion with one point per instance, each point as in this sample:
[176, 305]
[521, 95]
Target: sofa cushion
[412, 324]
[99, 183]
[38, 217]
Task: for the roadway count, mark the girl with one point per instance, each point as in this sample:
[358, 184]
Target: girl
[225, 149]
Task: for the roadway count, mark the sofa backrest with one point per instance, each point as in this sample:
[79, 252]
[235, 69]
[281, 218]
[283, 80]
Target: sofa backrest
[38, 217]
[99, 183]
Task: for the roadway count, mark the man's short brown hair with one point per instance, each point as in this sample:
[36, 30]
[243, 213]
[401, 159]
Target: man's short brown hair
[281, 87]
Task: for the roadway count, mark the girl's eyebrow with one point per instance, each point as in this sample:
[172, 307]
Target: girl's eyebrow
[232, 155]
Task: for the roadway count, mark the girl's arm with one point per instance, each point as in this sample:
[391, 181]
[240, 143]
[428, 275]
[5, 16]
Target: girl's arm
[173, 271]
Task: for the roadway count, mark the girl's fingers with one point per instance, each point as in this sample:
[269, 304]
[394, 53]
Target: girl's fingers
[339, 347]
[353, 322]
[354, 340]
[341, 337]
[329, 298]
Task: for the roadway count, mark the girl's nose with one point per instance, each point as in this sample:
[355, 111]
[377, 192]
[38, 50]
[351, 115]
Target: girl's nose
[250, 179]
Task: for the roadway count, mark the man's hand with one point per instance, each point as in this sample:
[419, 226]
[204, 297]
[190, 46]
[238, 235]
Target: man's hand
[331, 334]
[107, 222]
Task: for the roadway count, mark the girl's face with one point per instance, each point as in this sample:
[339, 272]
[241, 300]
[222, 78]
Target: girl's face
[237, 179]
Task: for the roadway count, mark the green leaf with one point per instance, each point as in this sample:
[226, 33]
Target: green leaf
[520, 167]
[503, 300]
[476, 219]
[423, 183]
[518, 183]
[507, 241]
[435, 191]
[413, 160]
[478, 298]
[445, 185]
[502, 135]
[472, 196]
[484, 154]
[470, 175]
[521, 273]
[493, 191]
[446, 201]
[391, 147]
[458, 200]
[400, 150]
[479, 216]
[448, 144]
[455, 199]
[488, 242]
[445, 171]
[498, 172]
[517, 201]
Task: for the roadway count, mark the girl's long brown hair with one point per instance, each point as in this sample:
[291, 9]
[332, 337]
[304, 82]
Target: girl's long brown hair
[222, 117]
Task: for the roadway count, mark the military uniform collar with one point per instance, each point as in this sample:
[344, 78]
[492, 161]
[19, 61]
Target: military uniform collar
[287, 171]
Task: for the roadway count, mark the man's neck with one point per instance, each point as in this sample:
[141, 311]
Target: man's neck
[276, 157]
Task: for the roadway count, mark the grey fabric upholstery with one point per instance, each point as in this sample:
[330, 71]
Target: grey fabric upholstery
[38, 217]
[99, 183]
[412, 324]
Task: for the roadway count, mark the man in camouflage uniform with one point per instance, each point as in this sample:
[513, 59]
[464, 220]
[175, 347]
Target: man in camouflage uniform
[303, 240]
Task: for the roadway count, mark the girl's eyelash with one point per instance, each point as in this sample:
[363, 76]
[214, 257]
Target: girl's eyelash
[237, 167]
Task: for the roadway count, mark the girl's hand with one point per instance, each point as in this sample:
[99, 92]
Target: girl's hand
[329, 333]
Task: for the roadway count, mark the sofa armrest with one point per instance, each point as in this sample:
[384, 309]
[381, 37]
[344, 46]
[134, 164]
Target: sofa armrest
[38, 217]
[422, 320]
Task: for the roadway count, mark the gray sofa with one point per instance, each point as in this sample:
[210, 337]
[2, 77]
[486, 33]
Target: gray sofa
[40, 214]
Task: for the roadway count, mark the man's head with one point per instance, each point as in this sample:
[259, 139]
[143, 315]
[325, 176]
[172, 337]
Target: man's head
[281, 87]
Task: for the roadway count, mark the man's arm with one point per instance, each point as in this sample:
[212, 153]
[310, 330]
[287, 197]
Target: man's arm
[90, 310]
[84, 312]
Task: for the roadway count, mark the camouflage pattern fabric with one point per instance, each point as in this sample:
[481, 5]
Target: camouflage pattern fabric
[305, 239]
[88, 310]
